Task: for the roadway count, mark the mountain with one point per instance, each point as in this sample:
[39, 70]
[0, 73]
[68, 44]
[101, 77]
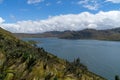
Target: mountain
[38, 35]
[108, 34]
[20, 60]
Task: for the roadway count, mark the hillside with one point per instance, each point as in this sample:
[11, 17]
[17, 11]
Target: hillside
[108, 34]
[22, 61]
[38, 35]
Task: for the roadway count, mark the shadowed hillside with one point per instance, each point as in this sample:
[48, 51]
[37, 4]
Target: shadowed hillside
[109, 34]
[22, 61]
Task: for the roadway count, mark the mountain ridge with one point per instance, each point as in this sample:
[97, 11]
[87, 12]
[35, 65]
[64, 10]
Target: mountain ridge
[108, 34]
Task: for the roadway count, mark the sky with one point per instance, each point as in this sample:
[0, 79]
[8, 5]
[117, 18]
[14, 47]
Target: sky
[37, 16]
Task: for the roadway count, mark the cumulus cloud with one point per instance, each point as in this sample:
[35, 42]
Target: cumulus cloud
[100, 20]
[34, 1]
[89, 4]
[1, 20]
[113, 1]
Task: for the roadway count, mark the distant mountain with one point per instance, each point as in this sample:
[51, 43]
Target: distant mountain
[108, 34]
[38, 35]
[20, 60]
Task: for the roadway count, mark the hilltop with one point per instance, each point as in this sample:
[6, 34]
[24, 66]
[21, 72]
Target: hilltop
[20, 60]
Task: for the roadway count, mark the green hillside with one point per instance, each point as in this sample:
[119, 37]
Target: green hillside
[22, 61]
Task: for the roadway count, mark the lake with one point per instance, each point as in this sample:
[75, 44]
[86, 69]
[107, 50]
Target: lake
[101, 57]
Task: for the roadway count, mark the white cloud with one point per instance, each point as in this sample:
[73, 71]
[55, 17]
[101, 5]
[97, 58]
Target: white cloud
[91, 7]
[89, 4]
[100, 20]
[113, 1]
[1, 20]
[34, 1]
[59, 2]
[83, 1]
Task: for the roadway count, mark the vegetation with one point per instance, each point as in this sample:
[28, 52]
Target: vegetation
[117, 77]
[32, 43]
[21, 61]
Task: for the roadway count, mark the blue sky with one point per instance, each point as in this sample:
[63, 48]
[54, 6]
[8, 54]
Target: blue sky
[17, 12]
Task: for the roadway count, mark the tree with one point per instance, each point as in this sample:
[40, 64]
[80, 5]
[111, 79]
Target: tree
[117, 77]
[76, 62]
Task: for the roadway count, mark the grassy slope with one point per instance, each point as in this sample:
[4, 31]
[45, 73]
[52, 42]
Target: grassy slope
[21, 61]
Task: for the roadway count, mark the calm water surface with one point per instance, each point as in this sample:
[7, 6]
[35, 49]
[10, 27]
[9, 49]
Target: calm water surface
[101, 57]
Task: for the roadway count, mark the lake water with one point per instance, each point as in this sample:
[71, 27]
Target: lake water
[101, 57]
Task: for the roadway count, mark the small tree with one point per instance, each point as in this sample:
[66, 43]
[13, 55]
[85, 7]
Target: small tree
[76, 62]
[55, 78]
[117, 77]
